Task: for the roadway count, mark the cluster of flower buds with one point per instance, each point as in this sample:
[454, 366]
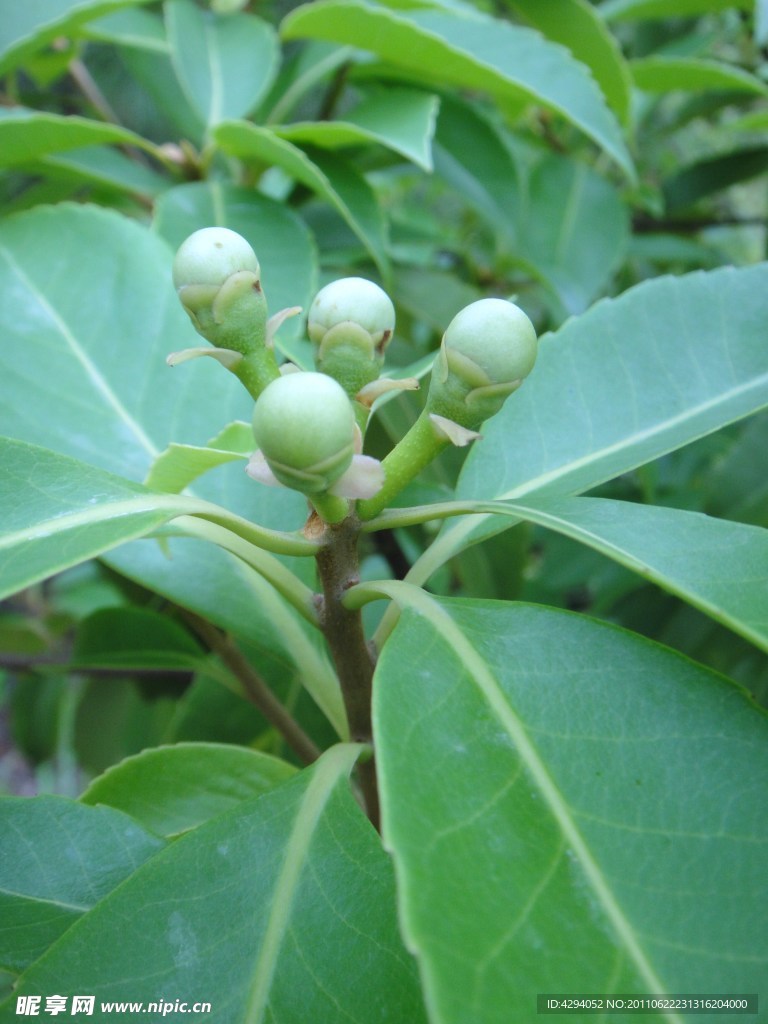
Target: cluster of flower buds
[308, 426]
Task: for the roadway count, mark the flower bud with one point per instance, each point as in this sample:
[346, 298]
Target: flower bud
[217, 279]
[487, 351]
[350, 322]
[305, 428]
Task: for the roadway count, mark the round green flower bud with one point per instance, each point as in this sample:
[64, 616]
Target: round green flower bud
[211, 255]
[305, 428]
[351, 321]
[217, 278]
[352, 299]
[487, 351]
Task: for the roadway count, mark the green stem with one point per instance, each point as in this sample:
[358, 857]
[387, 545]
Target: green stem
[410, 455]
[257, 369]
[330, 508]
[280, 576]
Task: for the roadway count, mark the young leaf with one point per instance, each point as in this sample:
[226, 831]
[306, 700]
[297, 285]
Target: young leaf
[570, 808]
[173, 789]
[58, 860]
[635, 377]
[225, 63]
[281, 909]
[332, 178]
[467, 49]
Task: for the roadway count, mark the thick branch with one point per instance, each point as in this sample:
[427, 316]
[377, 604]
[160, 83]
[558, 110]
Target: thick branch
[339, 570]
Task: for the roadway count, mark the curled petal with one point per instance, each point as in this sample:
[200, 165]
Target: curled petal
[226, 356]
[258, 469]
[367, 395]
[276, 321]
[363, 479]
[454, 432]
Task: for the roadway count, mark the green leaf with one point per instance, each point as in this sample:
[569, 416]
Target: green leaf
[58, 860]
[225, 64]
[571, 808]
[286, 249]
[621, 10]
[57, 512]
[173, 789]
[469, 50]
[102, 166]
[401, 119]
[579, 26]
[575, 230]
[718, 566]
[706, 177]
[134, 638]
[281, 909]
[221, 588]
[131, 27]
[668, 362]
[27, 135]
[471, 155]
[181, 464]
[663, 74]
[28, 27]
[332, 178]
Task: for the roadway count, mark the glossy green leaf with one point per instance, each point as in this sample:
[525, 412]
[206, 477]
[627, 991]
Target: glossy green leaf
[225, 64]
[28, 27]
[173, 789]
[286, 249]
[577, 24]
[620, 10]
[469, 50]
[57, 860]
[27, 135]
[263, 911]
[57, 512]
[718, 566]
[401, 119]
[668, 362]
[331, 177]
[663, 74]
[570, 807]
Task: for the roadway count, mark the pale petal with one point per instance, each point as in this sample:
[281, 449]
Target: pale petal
[455, 433]
[226, 356]
[363, 479]
[257, 469]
